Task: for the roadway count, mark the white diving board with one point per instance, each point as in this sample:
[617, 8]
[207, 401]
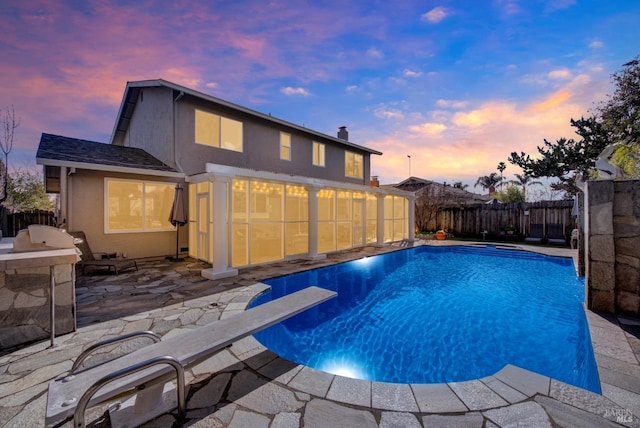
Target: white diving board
[188, 348]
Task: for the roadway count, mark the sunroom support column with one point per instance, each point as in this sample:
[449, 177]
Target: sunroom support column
[412, 218]
[313, 224]
[220, 229]
[380, 218]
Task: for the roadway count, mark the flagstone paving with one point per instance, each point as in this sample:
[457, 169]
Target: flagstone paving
[246, 385]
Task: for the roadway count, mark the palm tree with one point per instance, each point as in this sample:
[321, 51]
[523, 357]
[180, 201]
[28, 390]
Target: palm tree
[488, 181]
[524, 181]
[501, 167]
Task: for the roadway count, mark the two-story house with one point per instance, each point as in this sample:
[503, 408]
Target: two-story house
[260, 189]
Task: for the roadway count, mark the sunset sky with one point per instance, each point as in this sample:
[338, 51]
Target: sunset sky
[456, 85]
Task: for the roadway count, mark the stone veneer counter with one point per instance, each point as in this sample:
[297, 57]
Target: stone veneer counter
[25, 286]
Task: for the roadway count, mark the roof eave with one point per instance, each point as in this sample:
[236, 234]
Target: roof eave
[109, 168]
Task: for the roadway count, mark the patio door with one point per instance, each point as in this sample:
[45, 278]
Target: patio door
[358, 222]
[203, 223]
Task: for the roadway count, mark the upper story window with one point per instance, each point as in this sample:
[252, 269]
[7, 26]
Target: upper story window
[137, 206]
[318, 154]
[285, 146]
[218, 131]
[353, 165]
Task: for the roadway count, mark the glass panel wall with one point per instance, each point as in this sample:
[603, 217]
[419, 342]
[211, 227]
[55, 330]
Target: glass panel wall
[266, 209]
[395, 218]
[270, 221]
[372, 218]
[239, 222]
[326, 220]
[296, 220]
[344, 224]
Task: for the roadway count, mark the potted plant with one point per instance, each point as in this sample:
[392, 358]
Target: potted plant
[441, 235]
[509, 229]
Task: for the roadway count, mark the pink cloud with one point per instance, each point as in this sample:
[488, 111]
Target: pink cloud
[462, 143]
[435, 15]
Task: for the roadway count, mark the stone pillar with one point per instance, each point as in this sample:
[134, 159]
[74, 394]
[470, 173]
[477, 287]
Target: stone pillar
[219, 217]
[599, 246]
[626, 218]
[581, 235]
[380, 217]
[313, 224]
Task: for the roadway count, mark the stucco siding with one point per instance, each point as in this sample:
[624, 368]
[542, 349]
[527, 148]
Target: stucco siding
[87, 214]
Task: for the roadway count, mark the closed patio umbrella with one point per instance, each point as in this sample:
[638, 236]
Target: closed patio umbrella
[178, 216]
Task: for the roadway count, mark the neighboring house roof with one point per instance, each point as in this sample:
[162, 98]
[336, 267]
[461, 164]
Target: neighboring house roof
[415, 184]
[133, 89]
[412, 184]
[56, 150]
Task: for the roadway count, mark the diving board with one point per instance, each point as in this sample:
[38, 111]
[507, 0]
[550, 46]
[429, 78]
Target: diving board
[185, 350]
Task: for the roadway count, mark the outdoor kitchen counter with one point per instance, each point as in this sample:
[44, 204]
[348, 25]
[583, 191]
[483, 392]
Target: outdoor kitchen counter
[25, 289]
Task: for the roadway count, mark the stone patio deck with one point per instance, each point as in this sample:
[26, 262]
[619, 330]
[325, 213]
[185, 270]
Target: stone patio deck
[246, 385]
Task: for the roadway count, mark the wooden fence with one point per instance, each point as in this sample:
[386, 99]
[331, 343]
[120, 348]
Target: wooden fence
[472, 220]
[15, 222]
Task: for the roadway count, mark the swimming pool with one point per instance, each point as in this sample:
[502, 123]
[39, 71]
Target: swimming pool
[440, 314]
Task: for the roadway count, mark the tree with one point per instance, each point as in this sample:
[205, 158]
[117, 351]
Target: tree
[26, 192]
[615, 122]
[620, 115]
[524, 181]
[501, 167]
[488, 181]
[459, 185]
[430, 199]
[9, 125]
[566, 159]
[511, 194]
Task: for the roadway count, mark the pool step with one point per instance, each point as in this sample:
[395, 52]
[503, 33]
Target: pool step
[497, 250]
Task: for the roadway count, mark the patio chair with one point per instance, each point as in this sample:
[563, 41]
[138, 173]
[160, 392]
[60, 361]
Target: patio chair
[536, 233]
[88, 257]
[555, 234]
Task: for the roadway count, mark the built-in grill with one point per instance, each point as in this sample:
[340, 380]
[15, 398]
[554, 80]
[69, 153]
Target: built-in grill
[38, 237]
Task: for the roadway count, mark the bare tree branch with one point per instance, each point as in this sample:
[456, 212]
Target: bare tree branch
[9, 124]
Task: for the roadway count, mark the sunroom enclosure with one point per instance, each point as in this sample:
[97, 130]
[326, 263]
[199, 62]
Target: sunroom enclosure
[240, 217]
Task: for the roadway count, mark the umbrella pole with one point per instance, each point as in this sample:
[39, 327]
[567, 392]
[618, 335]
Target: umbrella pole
[177, 240]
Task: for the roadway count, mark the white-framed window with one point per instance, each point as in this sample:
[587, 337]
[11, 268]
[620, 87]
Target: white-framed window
[318, 154]
[137, 206]
[285, 146]
[218, 131]
[353, 165]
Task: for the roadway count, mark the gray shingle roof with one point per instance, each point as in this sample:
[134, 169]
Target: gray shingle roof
[76, 151]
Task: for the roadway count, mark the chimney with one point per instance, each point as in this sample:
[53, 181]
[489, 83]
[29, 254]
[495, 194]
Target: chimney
[374, 181]
[343, 134]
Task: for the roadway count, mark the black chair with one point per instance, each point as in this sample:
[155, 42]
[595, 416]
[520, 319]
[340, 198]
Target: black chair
[536, 233]
[88, 257]
[555, 234]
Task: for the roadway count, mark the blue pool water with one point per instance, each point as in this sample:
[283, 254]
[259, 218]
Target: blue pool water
[440, 314]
